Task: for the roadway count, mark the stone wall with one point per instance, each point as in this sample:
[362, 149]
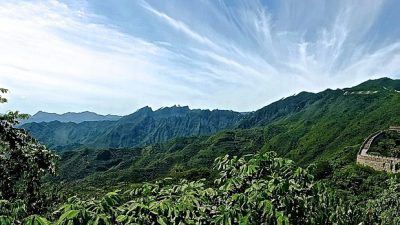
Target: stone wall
[380, 163]
[394, 128]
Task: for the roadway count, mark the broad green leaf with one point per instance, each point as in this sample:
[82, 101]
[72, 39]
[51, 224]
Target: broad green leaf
[68, 215]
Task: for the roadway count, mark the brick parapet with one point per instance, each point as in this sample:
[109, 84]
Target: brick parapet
[380, 163]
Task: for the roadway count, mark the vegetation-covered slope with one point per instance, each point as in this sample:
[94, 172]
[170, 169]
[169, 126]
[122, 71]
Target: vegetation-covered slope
[255, 189]
[334, 126]
[278, 109]
[330, 128]
[386, 144]
[188, 158]
[142, 127]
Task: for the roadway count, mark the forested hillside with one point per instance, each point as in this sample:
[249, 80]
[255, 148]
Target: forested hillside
[325, 127]
[145, 126]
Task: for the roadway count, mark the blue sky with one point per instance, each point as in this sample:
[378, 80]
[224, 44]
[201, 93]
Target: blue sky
[115, 56]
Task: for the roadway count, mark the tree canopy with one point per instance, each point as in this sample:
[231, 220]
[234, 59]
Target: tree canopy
[23, 162]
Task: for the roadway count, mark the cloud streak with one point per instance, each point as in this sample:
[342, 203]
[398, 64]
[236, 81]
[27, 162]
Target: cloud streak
[238, 55]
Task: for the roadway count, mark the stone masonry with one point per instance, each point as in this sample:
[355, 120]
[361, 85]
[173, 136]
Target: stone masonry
[388, 164]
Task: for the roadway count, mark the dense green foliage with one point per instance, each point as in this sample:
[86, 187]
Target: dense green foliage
[253, 189]
[279, 109]
[187, 158]
[23, 162]
[386, 144]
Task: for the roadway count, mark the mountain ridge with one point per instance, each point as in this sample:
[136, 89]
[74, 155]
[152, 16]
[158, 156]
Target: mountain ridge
[146, 126]
[75, 117]
[327, 129]
[142, 127]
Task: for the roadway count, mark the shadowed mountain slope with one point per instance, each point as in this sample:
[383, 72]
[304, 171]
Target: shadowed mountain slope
[145, 126]
[68, 117]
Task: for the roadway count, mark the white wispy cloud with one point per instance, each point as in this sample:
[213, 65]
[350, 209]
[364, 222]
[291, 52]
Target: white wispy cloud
[181, 26]
[238, 55]
[50, 54]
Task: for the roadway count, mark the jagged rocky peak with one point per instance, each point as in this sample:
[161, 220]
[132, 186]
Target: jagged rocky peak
[145, 109]
[175, 110]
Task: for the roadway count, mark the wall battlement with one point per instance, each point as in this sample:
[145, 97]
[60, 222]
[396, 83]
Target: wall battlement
[381, 163]
[393, 128]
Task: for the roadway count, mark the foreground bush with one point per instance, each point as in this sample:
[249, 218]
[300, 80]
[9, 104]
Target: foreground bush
[254, 189]
[23, 162]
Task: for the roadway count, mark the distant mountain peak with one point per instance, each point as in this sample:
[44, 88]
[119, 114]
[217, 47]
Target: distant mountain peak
[144, 110]
[139, 128]
[175, 108]
[75, 117]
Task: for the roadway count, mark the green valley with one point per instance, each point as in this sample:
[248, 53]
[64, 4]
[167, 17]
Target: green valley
[324, 127]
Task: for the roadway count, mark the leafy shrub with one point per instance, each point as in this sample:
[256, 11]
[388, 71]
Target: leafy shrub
[23, 162]
[253, 189]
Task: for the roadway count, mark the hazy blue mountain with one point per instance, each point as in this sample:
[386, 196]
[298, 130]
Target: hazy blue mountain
[69, 117]
[145, 126]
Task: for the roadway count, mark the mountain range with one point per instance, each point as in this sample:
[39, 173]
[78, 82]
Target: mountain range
[325, 128]
[142, 127]
[73, 117]
[73, 131]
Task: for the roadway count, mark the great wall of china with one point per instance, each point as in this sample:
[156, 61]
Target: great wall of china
[388, 164]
